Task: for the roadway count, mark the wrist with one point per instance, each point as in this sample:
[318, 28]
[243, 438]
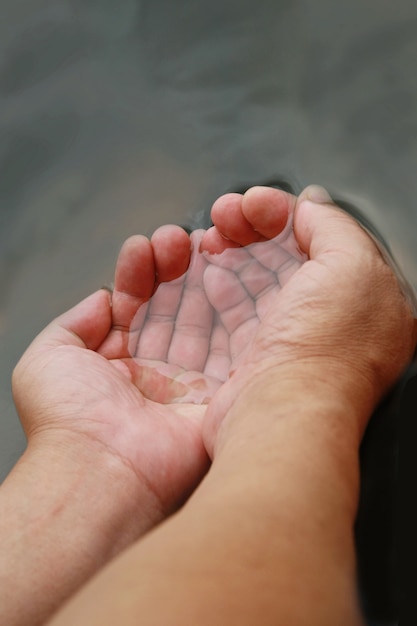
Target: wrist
[88, 476]
[67, 508]
[293, 416]
[337, 397]
[285, 468]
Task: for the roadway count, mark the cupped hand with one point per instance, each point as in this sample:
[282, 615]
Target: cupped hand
[202, 322]
[190, 337]
[251, 305]
[342, 324]
[73, 386]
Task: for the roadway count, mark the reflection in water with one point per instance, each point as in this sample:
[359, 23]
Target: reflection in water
[116, 117]
[195, 330]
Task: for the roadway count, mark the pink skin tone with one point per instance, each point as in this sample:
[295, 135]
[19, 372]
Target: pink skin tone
[106, 463]
[193, 333]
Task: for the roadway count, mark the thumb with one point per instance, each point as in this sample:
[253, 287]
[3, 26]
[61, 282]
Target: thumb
[321, 226]
[85, 325]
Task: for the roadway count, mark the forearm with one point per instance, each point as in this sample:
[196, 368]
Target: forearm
[267, 537]
[64, 512]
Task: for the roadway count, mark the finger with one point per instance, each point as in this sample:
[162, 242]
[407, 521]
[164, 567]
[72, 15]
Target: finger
[235, 259]
[219, 360]
[267, 210]
[273, 256]
[319, 221]
[133, 285]
[141, 263]
[172, 249]
[256, 278]
[228, 297]
[230, 221]
[134, 280]
[193, 324]
[154, 325]
[321, 226]
[213, 242]
[84, 325]
[257, 265]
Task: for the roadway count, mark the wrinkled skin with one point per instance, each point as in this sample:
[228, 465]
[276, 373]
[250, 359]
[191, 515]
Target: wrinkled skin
[313, 315]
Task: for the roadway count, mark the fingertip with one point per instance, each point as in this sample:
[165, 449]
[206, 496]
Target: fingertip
[316, 194]
[224, 206]
[227, 216]
[86, 323]
[267, 209]
[226, 202]
[319, 224]
[308, 214]
[171, 246]
[107, 292]
[132, 244]
[135, 267]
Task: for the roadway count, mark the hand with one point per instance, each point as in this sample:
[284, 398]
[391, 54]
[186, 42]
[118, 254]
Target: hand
[231, 306]
[283, 488]
[341, 321]
[73, 387]
[190, 337]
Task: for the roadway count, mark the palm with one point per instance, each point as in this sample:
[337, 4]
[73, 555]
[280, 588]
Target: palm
[162, 442]
[83, 395]
[242, 285]
[184, 343]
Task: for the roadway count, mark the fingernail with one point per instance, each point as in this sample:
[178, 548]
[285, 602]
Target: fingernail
[317, 194]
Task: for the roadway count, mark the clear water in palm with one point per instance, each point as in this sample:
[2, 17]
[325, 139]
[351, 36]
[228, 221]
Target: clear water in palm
[195, 330]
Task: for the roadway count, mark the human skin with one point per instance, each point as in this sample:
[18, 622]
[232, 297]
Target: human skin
[269, 531]
[268, 536]
[103, 464]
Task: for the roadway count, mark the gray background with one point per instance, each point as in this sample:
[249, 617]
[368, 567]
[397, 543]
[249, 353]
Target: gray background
[117, 116]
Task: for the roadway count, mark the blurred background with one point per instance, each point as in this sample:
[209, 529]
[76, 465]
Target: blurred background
[117, 116]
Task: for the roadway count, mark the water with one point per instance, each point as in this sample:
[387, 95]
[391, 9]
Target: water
[189, 337]
[116, 117]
